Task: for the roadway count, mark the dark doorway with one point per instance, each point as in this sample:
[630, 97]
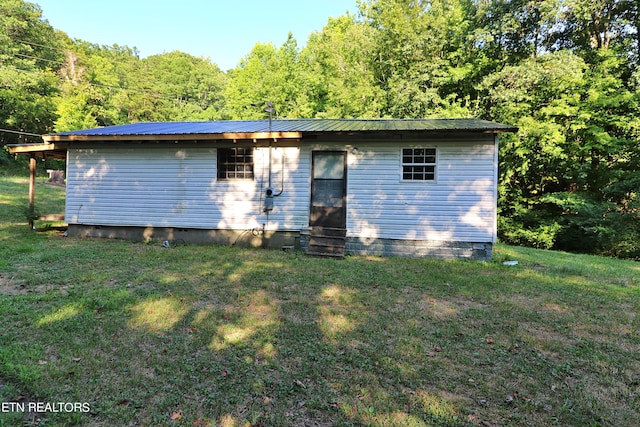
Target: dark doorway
[328, 189]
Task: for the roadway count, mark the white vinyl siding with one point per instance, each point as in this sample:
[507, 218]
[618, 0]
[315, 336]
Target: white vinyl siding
[176, 185]
[169, 185]
[459, 206]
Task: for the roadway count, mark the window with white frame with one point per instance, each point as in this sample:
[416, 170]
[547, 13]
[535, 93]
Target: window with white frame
[419, 164]
[235, 163]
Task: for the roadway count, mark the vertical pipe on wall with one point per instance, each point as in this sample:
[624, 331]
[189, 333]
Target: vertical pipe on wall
[32, 189]
[496, 195]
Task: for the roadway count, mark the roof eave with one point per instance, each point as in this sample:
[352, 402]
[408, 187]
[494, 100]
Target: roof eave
[387, 132]
[47, 149]
[232, 136]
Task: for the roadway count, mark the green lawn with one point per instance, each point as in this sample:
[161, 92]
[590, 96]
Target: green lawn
[206, 336]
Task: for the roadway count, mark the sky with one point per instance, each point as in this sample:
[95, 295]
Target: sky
[222, 30]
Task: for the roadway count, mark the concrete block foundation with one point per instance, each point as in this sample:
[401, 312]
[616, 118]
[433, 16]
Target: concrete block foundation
[419, 248]
[256, 238]
[287, 239]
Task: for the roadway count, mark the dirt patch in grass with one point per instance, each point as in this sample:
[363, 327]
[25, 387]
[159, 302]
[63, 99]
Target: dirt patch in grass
[12, 287]
[426, 304]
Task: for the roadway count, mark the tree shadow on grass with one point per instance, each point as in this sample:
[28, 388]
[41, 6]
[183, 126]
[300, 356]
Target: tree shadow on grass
[261, 340]
[243, 337]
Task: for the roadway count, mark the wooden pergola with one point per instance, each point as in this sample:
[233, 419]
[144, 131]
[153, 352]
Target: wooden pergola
[45, 150]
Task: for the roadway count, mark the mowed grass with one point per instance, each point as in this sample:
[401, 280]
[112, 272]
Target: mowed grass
[216, 336]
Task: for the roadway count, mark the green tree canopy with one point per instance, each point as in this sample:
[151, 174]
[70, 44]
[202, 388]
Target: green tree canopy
[277, 75]
[341, 56]
[419, 55]
[30, 56]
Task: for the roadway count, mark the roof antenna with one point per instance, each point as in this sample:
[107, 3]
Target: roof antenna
[269, 110]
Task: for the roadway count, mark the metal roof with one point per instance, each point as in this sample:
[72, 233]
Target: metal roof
[285, 127]
[55, 145]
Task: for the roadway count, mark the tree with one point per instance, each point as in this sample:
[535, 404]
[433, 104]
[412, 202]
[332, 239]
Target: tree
[190, 88]
[106, 85]
[341, 55]
[577, 138]
[591, 25]
[513, 30]
[419, 56]
[280, 76]
[97, 86]
[29, 58]
[542, 97]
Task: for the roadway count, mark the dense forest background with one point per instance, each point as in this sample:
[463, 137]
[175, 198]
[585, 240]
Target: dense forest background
[564, 71]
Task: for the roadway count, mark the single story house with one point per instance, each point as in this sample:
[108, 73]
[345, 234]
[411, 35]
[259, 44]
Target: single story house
[423, 187]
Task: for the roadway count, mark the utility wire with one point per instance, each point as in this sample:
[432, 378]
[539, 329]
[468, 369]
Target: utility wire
[64, 50]
[133, 91]
[40, 45]
[34, 57]
[20, 133]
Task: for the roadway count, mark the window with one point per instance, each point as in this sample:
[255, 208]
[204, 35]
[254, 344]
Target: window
[235, 163]
[418, 164]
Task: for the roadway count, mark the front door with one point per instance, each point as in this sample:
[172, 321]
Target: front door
[328, 189]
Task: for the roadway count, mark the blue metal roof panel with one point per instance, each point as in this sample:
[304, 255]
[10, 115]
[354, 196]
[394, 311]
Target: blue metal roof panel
[292, 125]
